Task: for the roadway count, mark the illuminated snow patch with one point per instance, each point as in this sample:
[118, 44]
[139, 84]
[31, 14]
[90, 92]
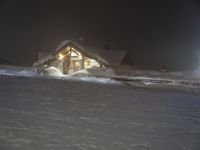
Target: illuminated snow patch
[96, 79]
[24, 73]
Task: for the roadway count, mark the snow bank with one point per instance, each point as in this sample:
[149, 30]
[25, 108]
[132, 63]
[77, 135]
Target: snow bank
[96, 79]
[88, 76]
[81, 73]
[127, 72]
[17, 71]
[145, 77]
[52, 71]
[111, 75]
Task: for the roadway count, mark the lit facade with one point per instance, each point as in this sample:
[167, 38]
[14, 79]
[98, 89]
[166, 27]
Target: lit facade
[71, 57]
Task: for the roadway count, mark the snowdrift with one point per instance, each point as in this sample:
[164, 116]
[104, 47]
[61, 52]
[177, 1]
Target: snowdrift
[146, 77]
[52, 71]
[17, 71]
[111, 75]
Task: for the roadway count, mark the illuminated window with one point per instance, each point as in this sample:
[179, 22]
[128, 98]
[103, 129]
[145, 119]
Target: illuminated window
[87, 63]
[76, 64]
[94, 63]
[90, 63]
[60, 56]
[73, 54]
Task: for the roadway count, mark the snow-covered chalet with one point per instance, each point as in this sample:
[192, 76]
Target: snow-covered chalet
[71, 56]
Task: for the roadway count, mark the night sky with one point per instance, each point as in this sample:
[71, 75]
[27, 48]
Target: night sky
[153, 32]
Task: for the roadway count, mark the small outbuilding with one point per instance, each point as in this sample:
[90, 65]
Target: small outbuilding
[72, 56]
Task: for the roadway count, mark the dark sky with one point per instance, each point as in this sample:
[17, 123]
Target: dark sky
[153, 31]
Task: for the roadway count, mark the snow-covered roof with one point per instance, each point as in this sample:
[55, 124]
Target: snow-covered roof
[43, 60]
[108, 57]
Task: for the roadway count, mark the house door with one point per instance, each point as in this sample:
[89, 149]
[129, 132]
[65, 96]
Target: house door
[75, 61]
[75, 65]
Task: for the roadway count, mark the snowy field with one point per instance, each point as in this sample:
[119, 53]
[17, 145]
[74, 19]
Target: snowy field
[51, 114]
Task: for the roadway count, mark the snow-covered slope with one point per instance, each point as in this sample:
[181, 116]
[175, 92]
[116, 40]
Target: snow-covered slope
[48, 114]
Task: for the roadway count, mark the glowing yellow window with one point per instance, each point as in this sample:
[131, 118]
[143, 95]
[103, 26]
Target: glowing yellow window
[87, 63]
[73, 54]
[76, 64]
[60, 56]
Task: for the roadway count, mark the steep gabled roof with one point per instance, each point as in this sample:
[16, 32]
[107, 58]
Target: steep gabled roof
[107, 57]
[110, 56]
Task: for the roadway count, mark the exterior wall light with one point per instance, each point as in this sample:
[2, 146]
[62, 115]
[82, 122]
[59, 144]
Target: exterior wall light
[60, 56]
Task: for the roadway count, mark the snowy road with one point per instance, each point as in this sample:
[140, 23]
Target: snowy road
[43, 114]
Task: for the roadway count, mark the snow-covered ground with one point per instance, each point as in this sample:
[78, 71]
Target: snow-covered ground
[145, 77]
[17, 71]
[115, 75]
[49, 114]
